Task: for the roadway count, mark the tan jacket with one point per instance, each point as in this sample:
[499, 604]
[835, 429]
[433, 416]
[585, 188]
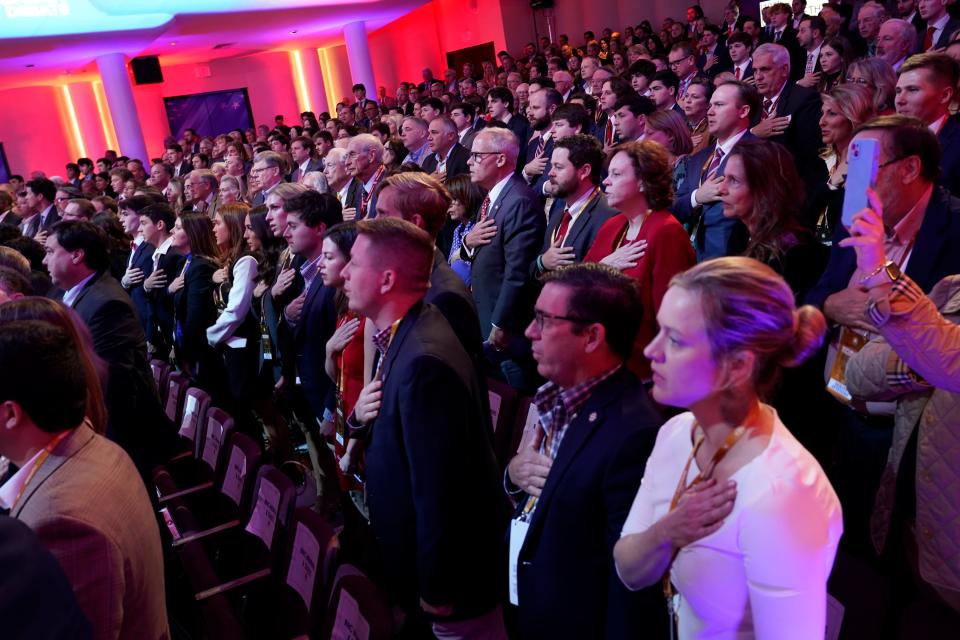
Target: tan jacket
[917, 362]
[88, 506]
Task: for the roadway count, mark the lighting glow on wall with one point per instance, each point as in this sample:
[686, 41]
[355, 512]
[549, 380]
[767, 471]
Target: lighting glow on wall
[109, 135]
[72, 122]
[300, 81]
[329, 85]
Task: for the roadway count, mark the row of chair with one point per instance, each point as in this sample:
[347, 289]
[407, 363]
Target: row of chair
[256, 566]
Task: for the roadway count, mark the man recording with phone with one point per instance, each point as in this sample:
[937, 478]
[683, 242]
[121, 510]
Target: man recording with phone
[922, 223]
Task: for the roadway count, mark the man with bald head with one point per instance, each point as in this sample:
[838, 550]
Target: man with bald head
[447, 156]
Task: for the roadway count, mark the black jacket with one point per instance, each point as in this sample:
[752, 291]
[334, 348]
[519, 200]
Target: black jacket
[437, 509]
[567, 583]
[582, 233]
[456, 164]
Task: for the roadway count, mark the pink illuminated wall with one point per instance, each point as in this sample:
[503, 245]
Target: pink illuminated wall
[33, 130]
[402, 49]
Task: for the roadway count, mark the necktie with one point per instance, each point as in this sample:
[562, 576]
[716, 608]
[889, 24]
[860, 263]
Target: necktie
[928, 39]
[811, 63]
[715, 163]
[484, 209]
[608, 133]
[561, 233]
[736, 73]
[540, 146]
[776, 36]
[767, 107]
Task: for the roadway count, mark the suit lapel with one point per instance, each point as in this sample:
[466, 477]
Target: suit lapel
[581, 223]
[589, 418]
[404, 330]
[927, 246]
[86, 288]
[496, 206]
[73, 443]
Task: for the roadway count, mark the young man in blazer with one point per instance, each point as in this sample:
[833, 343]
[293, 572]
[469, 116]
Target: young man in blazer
[433, 487]
[579, 208]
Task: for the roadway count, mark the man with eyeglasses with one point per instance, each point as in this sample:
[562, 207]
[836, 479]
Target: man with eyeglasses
[502, 246]
[925, 90]
[590, 431]
[267, 172]
[922, 240]
[364, 163]
[683, 62]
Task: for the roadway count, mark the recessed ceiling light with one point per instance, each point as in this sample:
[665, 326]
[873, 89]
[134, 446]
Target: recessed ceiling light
[29, 66]
[294, 31]
[173, 44]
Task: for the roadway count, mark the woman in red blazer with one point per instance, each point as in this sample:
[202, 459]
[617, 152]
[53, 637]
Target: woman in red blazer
[644, 241]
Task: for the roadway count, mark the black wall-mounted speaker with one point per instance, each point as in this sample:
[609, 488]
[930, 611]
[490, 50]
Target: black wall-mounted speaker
[146, 70]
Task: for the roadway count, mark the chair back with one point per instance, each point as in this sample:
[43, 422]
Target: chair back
[239, 473]
[272, 500]
[177, 384]
[357, 604]
[219, 426]
[161, 372]
[196, 402]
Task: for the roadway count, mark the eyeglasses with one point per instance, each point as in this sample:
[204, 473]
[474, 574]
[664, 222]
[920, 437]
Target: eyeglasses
[61, 199]
[477, 156]
[539, 317]
[891, 161]
[857, 80]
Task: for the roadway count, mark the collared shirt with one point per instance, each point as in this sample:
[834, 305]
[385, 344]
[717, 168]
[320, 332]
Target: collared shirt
[726, 147]
[578, 207]
[418, 155]
[44, 214]
[342, 194]
[381, 339]
[937, 124]
[938, 27]
[303, 168]
[495, 192]
[137, 241]
[463, 134]
[558, 407]
[898, 241]
[775, 99]
[161, 251]
[74, 292]
[898, 64]
[369, 185]
[743, 67]
[15, 485]
[442, 162]
[816, 56]
[309, 271]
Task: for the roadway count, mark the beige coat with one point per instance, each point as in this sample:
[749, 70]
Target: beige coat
[88, 506]
[917, 362]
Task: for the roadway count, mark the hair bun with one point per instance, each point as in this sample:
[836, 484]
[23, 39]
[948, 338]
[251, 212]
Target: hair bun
[809, 330]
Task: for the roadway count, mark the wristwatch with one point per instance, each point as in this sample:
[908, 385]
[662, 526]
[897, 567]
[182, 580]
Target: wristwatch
[890, 268]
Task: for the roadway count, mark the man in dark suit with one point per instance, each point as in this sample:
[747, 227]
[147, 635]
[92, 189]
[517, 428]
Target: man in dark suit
[940, 25]
[926, 87]
[500, 107]
[175, 159]
[572, 499]
[448, 157]
[140, 264]
[302, 150]
[733, 107]
[714, 57]
[421, 199]
[78, 261]
[35, 586]
[907, 9]
[364, 163]
[783, 34]
[40, 201]
[502, 246]
[791, 114]
[579, 208]
[539, 148]
[156, 226]
[464, 115]
[433, 487]
[740, 46]
[266, 173]
[811, 36]
[925, 239]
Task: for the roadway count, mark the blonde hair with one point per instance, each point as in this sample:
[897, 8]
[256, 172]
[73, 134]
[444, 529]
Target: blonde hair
[747, 306]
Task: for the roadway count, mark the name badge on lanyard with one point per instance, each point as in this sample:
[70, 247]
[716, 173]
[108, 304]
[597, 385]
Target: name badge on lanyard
[518, 533]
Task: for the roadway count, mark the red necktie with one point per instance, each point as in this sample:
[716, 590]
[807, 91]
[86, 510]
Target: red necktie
[928, 39]
[736, 73]
[608, 133]
[540, 146]
[561, 232]
[715, 163]
[484, 208]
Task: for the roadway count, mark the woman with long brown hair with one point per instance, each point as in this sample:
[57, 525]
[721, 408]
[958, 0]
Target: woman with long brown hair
[192, 291]
[770, 209]
[236, 333]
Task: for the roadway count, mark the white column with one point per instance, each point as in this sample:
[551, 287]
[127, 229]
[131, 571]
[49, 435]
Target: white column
[123, 108]
[313, 77]
[358, 53]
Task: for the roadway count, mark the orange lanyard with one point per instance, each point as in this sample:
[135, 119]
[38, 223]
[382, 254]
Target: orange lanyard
[47, 450]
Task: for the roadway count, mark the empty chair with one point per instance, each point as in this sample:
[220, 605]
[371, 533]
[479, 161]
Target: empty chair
[177, 384]
[357, 604]
[161, 372]
[198, 474]
[503, 411]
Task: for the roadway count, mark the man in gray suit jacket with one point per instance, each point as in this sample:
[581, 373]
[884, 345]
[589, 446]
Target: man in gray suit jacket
[78, 491]
[502, 246]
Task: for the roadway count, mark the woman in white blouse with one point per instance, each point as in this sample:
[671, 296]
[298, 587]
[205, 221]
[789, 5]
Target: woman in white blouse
[236, 333]
[734, 516]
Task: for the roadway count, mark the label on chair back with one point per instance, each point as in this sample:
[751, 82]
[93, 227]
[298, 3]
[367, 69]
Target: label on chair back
[263, 520]
[188, 427]
[349, 623]
[235, 473]
[304, 559]
[211, 446]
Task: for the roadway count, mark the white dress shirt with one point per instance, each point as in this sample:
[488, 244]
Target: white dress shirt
[13, 486]
[73, 292]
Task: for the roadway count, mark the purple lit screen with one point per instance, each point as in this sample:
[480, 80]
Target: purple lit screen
[209, 114]
[4, 168]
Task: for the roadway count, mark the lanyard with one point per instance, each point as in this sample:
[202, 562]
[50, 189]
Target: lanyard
[593, 198]
[682, 486]
[38, 463]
